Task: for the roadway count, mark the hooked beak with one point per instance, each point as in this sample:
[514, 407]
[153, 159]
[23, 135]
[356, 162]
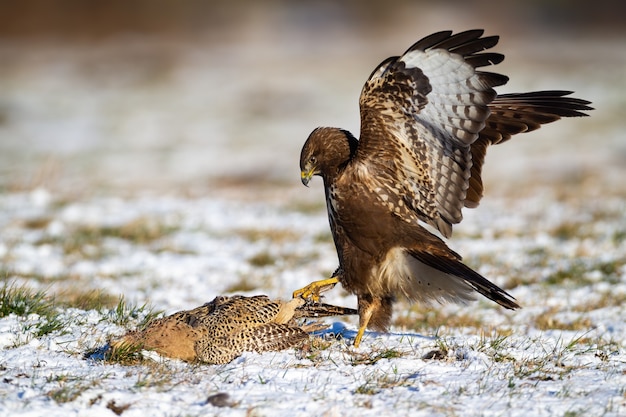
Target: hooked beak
[305, 177]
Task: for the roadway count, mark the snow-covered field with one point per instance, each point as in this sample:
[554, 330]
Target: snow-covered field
[143, 174]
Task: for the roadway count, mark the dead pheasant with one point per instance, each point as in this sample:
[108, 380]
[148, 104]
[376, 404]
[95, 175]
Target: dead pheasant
[223, 329]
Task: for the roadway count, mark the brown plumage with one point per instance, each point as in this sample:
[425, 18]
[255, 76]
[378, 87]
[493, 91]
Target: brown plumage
[427, 118]
[223, 329]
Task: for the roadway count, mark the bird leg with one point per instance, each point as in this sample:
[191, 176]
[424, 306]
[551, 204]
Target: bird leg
[313, 290]
[367, 306]
[359, 336]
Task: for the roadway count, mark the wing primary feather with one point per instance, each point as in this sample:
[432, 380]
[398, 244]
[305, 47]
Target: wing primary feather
[518, 113]
[483, 60]
[493, 79]
[461, 39]
[477, 45]
[553, 102]
[430, 41]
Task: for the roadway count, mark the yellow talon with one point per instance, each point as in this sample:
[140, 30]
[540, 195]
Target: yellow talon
[313, 290]
[359, 336]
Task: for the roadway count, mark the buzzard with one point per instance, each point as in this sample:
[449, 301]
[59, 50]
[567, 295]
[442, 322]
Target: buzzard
[427, 118]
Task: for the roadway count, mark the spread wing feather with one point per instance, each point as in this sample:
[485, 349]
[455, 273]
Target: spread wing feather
[428, 116]
[518, 113]
[420, 113]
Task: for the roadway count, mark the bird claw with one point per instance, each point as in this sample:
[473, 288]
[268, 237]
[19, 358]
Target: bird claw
[314, 289]
[359, 337]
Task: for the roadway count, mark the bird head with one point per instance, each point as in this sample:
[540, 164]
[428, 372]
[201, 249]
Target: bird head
[309, 158]
[308, 169]
[325, 151]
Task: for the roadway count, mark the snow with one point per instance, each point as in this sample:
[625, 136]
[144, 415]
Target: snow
[532, 372]
[190, 161]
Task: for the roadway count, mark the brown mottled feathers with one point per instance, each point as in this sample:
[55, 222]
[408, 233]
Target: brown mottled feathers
[427, 118]
[430, 113]
[517, 113]
[223, 329]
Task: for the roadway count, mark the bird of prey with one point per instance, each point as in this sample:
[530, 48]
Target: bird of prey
[221, 330]
[427, 119]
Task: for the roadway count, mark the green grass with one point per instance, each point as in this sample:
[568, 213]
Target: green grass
[23, 301]
[377, 381]
[124, 354]
[70, 388]
[370, 358]
[124, 314]
[576, 273]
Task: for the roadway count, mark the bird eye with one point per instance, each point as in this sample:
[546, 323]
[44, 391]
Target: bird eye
[312, 160]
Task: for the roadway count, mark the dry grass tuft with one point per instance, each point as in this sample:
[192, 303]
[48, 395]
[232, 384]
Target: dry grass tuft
[86, 299]
[423, 318]
[262, 259]
[244, 284]
[271, 235]
[86, 241]
[549, 320]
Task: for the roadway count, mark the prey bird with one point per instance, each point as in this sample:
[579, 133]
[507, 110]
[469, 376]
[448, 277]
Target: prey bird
[221, 330]
[427, 119]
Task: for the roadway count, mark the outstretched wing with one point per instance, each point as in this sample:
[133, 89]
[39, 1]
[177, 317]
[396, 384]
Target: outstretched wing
[428, 116]
[420, 114]
[518, 113]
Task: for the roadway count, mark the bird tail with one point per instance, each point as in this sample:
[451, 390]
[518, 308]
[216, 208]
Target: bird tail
[456, 269]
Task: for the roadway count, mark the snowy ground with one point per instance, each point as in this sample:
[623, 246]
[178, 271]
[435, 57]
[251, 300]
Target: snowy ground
[165, 188]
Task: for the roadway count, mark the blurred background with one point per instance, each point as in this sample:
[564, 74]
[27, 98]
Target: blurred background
[193, 97]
